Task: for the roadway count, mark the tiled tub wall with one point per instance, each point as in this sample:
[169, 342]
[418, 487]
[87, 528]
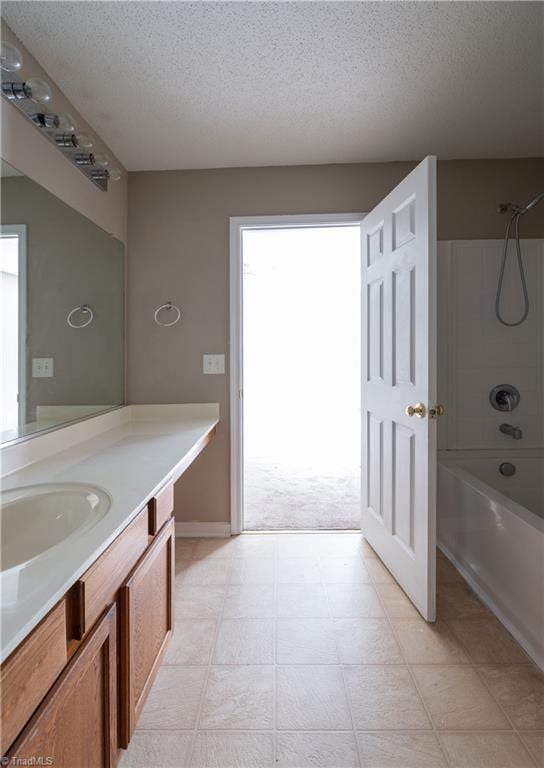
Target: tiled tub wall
[476, 352]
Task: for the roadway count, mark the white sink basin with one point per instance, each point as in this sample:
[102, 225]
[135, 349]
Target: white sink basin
[36, 518]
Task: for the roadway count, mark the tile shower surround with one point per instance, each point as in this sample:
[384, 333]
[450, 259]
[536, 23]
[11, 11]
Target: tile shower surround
[476, 352]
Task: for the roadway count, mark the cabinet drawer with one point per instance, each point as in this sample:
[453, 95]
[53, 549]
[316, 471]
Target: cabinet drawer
[30, 671]
[76, 723]
[98, 586]
[161, 508]
[146, 620]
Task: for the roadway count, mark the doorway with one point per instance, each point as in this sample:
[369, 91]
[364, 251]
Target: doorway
[398, 376]
[300, 367]
[13, 328]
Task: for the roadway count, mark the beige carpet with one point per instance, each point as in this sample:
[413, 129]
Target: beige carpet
[288, 497]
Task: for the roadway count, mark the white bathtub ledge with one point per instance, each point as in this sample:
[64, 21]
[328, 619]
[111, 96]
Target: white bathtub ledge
[498, 547]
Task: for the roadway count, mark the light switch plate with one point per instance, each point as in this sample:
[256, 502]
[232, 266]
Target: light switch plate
[42, 367]
[214, 364]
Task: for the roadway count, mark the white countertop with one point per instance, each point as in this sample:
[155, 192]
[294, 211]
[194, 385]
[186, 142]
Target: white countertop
[130, 461]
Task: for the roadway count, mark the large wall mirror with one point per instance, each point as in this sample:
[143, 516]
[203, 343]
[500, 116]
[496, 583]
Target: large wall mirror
[61, 311]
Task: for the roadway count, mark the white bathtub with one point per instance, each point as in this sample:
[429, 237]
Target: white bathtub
[492, 528]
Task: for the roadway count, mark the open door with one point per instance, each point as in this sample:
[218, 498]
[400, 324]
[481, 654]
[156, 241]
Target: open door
[399, 383]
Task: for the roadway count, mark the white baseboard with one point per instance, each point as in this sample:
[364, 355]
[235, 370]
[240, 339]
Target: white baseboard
[203, 530]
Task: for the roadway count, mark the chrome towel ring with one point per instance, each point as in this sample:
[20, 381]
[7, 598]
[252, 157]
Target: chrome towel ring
[83, 308]
[169, 307]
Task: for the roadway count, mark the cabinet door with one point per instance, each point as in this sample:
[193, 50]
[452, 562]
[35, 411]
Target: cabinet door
[27, 675]
[146, 620]
[160, 508]
[76, 723]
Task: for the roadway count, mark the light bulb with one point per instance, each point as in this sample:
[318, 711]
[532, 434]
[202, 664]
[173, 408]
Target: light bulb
[84, 141]
[11, 59]
[114, 174]
[37, 90]
[67, 124]
[101, 160]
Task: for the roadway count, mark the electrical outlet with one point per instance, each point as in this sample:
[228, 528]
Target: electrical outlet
[214, 364]
[42, 367]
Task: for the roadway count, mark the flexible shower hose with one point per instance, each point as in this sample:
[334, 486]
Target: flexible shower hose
[516, 216]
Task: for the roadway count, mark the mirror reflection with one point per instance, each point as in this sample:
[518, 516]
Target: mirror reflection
[62, 311]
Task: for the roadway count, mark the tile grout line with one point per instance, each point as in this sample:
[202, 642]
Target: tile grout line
[412, 676]
[470, 665]
[342, 674]
[503, 710]
[190, 750]
[476, 667]
[200, 707]
[375, 581]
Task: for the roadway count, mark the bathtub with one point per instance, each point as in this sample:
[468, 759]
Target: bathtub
[492, 529]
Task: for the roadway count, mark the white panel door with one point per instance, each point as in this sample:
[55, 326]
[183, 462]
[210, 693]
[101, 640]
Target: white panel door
[399, 373]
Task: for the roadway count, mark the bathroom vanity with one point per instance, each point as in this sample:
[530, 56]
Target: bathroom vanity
[86, 621]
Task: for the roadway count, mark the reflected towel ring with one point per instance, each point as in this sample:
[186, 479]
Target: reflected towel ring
[169, 307]
[83, 308]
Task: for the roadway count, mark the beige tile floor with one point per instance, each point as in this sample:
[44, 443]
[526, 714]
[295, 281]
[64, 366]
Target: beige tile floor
[300, 651]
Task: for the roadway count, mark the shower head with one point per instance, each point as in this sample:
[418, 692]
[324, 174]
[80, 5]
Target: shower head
[537, 199]
[518, 209]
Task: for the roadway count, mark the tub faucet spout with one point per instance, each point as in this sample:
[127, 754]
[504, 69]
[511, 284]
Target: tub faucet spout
[514, 432]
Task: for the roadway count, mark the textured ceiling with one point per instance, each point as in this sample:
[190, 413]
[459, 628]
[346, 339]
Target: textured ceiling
[212, 84]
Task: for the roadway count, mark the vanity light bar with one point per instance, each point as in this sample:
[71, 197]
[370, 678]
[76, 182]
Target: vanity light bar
[73, 141]
[66, 140]
[13, 90]
[35, 90]
[84, 159]
[45, 121]
[101, 173]
[111, 174]
[58, 129]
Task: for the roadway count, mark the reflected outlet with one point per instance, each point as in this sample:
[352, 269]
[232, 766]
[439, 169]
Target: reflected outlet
[214, 364]
[42, 367]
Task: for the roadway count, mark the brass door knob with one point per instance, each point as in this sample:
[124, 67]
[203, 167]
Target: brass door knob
[418, 410]
[436, 410]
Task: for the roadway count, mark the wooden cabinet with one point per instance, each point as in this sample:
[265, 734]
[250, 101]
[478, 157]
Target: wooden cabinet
[76, 724]
[74, 689]
[29, 673]
[146, 620]
[161, 508]
[99, 585]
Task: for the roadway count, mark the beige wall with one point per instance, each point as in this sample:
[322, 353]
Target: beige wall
[24, 148]
[179, 251]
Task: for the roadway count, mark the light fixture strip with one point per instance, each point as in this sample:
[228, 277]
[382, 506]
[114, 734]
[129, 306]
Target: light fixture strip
[28, 95]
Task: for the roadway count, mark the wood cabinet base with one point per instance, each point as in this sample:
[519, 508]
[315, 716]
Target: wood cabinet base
[29, 673]
[76, 724]
[73, 691]
[146, 621]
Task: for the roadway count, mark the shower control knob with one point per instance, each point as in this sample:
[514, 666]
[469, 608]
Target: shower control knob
[504, 397]
[418, 410]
